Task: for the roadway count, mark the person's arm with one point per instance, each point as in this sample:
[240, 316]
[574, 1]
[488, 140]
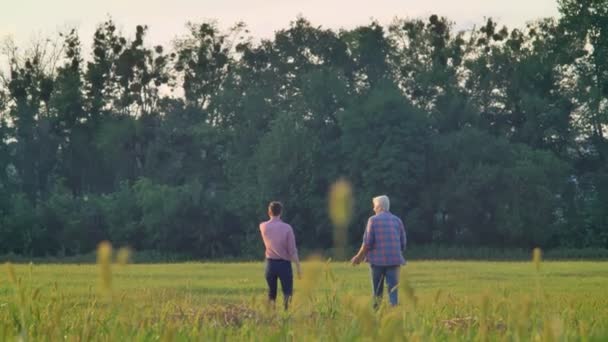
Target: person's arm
[402, 236]
[368, 243]
[356, 260]
[262, 228]
[293, 251]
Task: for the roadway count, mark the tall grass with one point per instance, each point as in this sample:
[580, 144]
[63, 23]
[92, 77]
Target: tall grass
[510, 301]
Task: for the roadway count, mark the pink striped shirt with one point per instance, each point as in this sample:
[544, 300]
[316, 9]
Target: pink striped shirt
[279, 240]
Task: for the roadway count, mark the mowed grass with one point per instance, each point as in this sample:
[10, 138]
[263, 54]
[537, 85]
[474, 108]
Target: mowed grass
[511, 301]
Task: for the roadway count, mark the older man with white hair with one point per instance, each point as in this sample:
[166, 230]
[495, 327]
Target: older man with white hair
[383, 245]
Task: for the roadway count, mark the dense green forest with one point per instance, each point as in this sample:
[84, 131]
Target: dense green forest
[490, 137]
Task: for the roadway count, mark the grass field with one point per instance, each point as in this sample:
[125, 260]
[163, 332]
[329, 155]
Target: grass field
[511, 301]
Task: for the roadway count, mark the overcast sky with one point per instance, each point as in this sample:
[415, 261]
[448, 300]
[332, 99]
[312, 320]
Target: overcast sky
[24, 19]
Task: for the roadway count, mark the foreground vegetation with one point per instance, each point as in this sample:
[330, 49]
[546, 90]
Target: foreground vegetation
[440, 300]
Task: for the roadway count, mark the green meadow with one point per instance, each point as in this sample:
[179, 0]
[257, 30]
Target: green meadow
[440, 300]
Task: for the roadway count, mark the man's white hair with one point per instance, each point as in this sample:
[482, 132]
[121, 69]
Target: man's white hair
[382, 202]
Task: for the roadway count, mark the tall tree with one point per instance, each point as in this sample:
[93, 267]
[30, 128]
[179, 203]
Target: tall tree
[587, 23]
[427, 61]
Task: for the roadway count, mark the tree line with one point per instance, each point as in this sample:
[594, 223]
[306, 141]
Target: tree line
[491, 137]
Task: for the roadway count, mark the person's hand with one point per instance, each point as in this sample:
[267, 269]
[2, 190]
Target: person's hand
[355, 260]
[299, 272]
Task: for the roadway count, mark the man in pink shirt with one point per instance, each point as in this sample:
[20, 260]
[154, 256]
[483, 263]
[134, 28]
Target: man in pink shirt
[281, 250]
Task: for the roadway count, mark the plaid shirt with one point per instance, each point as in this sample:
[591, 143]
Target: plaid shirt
[385, 239]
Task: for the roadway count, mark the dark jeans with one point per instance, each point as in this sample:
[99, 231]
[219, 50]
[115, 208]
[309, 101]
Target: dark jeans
[280, 269]
[390, 274]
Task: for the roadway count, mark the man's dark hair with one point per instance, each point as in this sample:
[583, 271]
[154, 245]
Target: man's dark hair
[275, 208]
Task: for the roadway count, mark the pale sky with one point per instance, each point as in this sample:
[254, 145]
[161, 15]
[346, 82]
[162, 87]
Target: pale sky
[24, 19]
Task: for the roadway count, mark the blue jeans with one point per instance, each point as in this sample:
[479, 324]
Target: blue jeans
[281, 270]
[380, 274]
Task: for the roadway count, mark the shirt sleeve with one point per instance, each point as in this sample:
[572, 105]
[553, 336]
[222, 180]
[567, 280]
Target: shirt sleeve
[291, 246]
[402, 235]
[261, 226]
[368, 236]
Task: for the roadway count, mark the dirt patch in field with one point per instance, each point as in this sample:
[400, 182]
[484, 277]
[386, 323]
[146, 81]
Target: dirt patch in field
[468, 322]
[221, 315]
